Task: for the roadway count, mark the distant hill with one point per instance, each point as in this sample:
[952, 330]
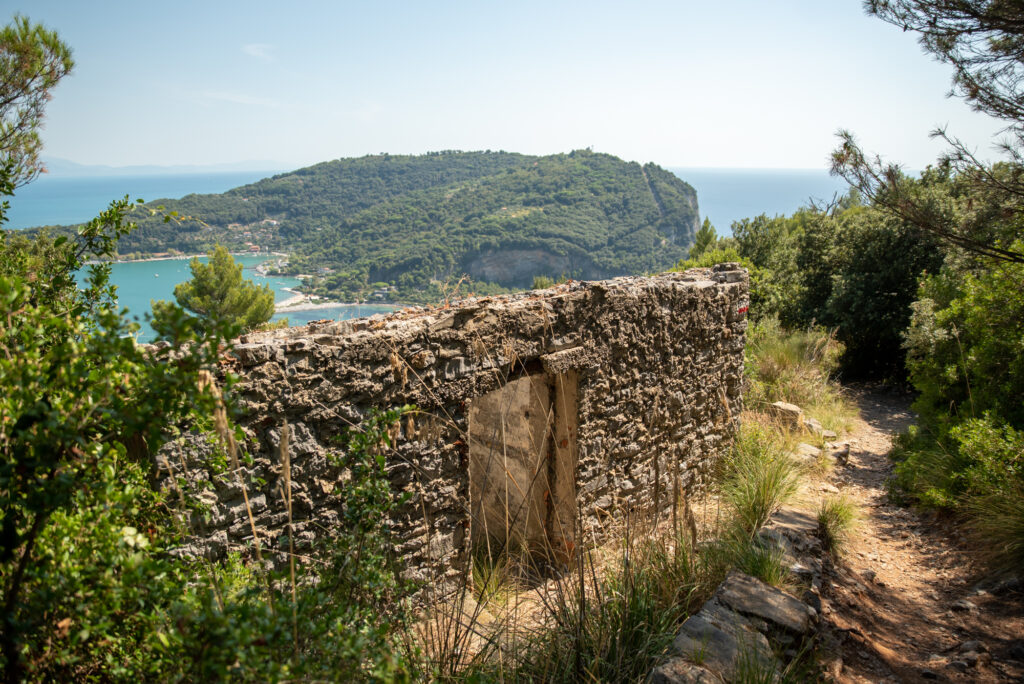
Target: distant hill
[413, 222]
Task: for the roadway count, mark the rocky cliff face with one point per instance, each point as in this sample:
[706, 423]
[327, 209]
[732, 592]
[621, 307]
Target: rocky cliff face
[618, 395]
[517, 267]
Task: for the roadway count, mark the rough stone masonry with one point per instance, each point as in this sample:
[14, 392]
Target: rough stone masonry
[544, 417]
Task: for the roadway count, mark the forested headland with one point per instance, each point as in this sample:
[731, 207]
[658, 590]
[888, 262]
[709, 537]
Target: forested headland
[417, 222]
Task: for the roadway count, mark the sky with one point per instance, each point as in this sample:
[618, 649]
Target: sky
[745, 84]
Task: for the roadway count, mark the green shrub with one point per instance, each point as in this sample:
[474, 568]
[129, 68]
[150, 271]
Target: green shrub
[836, 518]
[978, 457]
[992, 456]
[92, 589]
[924, 469]
[760, 476]
[965, 345]
[875, 264]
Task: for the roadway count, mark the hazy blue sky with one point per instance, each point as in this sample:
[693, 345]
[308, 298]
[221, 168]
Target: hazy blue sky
[732, 84]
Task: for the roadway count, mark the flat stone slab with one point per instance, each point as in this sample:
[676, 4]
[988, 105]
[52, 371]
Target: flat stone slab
[750, 596]
[792, 521]
[716, 637]
[680, 671]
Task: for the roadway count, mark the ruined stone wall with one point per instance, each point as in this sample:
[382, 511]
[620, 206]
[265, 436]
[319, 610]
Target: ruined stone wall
[591, 399]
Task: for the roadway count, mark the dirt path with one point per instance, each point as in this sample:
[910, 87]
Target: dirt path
[906, 600]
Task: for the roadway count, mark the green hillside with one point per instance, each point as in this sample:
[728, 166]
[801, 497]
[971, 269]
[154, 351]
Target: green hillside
[415, 221]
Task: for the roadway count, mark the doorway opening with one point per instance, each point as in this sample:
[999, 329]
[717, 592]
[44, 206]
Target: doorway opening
[522, 472]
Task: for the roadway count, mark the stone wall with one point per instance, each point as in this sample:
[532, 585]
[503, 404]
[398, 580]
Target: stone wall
[543, 416]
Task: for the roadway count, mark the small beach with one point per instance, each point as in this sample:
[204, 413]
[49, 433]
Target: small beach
[304, 302]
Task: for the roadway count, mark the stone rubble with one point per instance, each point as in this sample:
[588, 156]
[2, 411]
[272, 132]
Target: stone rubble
[748, 619]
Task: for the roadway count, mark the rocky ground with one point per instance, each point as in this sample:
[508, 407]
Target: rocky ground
[908, 602]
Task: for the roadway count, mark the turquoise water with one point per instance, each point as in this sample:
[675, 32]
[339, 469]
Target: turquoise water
[140, 282]
[62, 201]
[51, 201]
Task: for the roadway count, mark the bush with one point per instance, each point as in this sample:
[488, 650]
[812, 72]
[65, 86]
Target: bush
[876, 263]
[924, 469]
[92, 589]
[965, 345]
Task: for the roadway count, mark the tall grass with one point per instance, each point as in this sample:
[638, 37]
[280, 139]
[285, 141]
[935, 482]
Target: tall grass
[796, 367]
[996, 523]
[759, 477]
[767, 562]
[753, 668]
[611, 620]
[975, 471]
[613, 613]
[837, 516]
[610, 626]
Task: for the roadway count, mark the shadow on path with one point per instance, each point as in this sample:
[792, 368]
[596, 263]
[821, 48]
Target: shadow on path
[904, 599]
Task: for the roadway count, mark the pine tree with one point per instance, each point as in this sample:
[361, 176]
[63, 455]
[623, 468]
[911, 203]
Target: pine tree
[704, 240]
[217, 293]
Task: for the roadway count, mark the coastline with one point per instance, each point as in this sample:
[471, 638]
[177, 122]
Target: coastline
[186, 257]
[303, 302]
[308, 306]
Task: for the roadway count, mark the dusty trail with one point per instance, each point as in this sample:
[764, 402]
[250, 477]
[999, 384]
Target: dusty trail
[907, 599]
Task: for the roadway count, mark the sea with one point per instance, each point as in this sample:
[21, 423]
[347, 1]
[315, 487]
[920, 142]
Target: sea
[723, 195]
[729, 195]
[140, 282]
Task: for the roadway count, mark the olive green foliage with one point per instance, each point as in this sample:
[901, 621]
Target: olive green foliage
[852, 268]
[965, 350]
[770, 245]
[415, 221]
[218, 294]
[90, 590]
[710, 257]
[32, 61]
[93, 584]
[965, 345]
[876, 263]
[975, 469]
[542, 282]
